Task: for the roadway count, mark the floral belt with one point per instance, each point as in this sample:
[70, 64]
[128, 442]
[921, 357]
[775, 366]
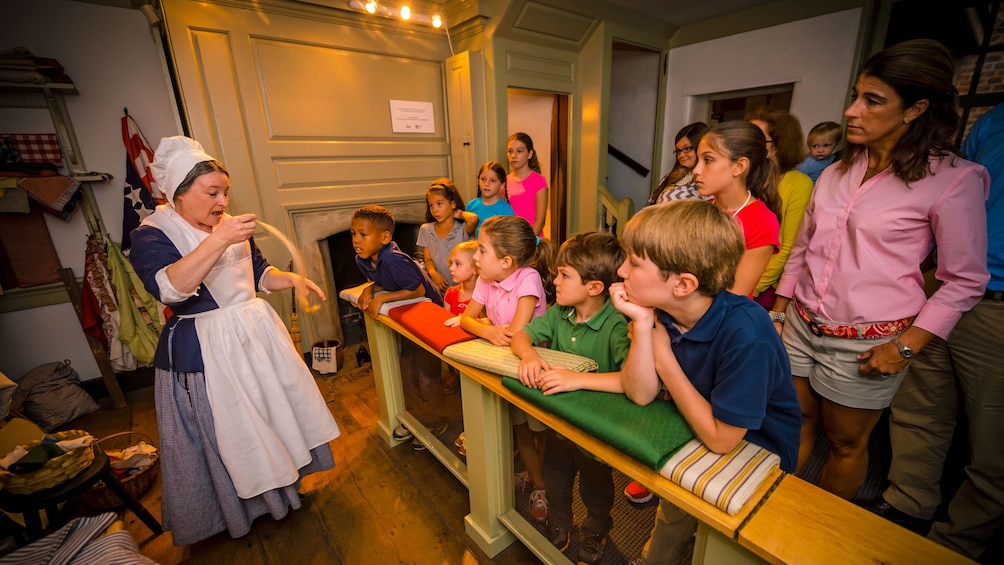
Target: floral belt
[856, 331]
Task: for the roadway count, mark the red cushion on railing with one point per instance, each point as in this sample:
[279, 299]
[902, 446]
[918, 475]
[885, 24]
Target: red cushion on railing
[425, 320]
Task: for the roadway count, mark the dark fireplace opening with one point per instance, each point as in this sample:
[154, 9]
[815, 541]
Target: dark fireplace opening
[347, 275]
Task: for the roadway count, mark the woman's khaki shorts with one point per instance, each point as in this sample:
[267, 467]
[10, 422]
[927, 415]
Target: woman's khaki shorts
[832, 367]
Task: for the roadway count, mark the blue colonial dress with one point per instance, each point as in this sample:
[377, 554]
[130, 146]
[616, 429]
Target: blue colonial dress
[239, 415]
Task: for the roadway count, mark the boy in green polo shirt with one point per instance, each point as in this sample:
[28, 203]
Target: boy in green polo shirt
[583, 322]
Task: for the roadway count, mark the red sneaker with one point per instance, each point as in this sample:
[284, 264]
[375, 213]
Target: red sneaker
[637, 493]
[538, 505]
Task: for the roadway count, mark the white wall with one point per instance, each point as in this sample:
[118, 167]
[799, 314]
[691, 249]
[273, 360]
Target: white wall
[114, 62]
[634, 93]
[816, 54]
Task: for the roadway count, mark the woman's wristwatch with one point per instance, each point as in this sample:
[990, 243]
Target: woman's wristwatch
[776, 316]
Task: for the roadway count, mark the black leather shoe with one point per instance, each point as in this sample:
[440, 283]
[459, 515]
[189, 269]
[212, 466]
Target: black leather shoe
[878, 505]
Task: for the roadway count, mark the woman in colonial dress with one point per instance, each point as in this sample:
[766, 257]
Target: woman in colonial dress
[240, 418]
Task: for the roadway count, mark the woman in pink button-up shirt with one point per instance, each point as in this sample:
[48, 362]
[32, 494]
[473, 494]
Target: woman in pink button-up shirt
[900, 191]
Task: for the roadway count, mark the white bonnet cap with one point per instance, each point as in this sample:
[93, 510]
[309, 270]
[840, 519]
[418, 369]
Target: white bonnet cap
[174, 159]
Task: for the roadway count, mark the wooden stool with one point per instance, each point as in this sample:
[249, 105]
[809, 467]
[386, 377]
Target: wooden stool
[31, 505]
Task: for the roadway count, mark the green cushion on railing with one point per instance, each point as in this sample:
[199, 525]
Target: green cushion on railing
[651, 434]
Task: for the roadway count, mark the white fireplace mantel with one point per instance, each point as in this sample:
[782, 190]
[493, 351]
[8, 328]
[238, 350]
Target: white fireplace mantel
[312, 226]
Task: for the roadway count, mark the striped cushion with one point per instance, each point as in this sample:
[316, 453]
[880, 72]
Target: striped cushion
[728, 480]
[80, 542]
[500, 358]
[351, 295]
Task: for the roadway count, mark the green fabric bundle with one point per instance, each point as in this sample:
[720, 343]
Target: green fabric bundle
[651, 434]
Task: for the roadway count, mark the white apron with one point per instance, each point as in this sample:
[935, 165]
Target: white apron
[266, 407]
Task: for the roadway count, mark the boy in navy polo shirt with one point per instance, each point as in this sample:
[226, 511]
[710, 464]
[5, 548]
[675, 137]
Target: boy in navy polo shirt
[716, 354]
[393, 271]
[383, 262]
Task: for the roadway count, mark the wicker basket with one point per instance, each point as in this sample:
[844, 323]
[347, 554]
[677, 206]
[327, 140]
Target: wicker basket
[100, 497]
[55, 470]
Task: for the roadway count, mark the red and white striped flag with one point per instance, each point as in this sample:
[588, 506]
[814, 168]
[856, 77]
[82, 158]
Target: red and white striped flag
[140, 191]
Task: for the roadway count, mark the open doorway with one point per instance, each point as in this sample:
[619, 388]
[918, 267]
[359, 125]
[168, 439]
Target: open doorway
[544, 117]
[633, 123]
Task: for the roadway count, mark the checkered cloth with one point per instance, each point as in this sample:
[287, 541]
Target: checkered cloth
[36, 147]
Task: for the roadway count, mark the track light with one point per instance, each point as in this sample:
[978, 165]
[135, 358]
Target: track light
[404, 13]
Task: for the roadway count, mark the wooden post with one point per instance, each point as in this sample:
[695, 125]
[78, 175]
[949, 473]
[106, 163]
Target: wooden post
[97, 348]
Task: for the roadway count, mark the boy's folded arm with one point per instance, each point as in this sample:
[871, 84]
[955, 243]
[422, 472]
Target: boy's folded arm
[719, 436]
[724, 438]
[638, 375]
[559, 379]
[403, 294]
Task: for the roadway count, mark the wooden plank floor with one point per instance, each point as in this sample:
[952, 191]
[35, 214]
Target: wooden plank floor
[379, 505]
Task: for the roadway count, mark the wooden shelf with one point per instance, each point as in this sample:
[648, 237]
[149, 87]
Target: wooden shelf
[61, 87]
[51, 94]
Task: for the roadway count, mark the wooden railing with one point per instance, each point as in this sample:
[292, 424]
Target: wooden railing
[613, 213]
[623, 157]
[786, 521]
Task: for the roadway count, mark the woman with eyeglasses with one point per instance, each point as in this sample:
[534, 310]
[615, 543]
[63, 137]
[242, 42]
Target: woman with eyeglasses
[784, 141]
[679, 181]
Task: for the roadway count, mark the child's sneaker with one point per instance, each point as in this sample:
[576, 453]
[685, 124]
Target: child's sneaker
[558, 536]
[439, 429]
[637, 493]
[591, 548]
[402, 433]
[418, 445]
[461, 444]
[450, 381]
[538, 505]
[523, 481]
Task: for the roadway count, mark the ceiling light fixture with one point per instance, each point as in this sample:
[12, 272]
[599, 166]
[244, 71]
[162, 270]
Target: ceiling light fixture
[405, 13]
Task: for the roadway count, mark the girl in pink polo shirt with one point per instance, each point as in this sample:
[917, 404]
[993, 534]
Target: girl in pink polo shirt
[515, 268]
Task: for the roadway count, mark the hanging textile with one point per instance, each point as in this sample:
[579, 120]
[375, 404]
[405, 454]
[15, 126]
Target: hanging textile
[140, 191]
[98, 276]
[29, 255]
[90, 314]
[139, 327]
